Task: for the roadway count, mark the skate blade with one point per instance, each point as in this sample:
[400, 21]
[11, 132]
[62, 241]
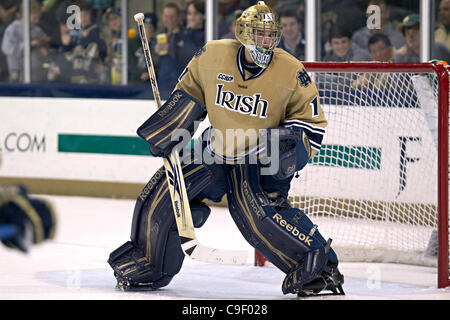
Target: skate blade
[337, 291]
[126, 287]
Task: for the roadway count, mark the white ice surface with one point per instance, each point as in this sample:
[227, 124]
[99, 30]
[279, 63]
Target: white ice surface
[73, 265]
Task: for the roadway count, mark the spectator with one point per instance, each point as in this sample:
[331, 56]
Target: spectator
[442, 33]
[171, 19]
[110, 33]
[410, 52]
[183, 11]
[295, 6]
[60, 16]
[342, 48]
[345, 13]
[98, 7]
[232, 27]
[8, 9]
[48, 21]
[13, 46]
[227, 9]
[292, 40]
[361, 37]
[193, 37]
[381, 50]
[65, 42]
[137, 68]
[168, 70]
[82, 59]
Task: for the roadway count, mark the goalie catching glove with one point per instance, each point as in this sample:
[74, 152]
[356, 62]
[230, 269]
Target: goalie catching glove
[287, 149]
[178, 113]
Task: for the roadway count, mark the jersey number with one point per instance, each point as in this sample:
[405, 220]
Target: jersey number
[315, 107]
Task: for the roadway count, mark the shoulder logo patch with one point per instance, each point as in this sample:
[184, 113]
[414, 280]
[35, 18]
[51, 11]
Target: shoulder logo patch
[304, 78]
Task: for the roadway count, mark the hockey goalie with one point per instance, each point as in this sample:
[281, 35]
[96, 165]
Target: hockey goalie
[266, 124]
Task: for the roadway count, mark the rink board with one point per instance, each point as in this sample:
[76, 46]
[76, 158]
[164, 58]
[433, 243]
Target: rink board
[69, 146]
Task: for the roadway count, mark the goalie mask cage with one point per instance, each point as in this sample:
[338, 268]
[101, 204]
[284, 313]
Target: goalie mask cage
[379, 186]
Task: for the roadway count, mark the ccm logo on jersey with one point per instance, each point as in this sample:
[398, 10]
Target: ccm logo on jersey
[225, 77]
[252, 105]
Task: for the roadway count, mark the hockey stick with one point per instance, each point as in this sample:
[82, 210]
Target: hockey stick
[180, 202]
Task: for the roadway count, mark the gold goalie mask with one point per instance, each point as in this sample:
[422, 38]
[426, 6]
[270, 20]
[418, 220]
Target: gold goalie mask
[259, 31]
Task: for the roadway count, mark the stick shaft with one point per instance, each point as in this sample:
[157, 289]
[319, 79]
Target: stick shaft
[149, 62]
[172, 163]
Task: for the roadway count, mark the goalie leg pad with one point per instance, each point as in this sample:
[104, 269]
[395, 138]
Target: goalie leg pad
[179, 112]
[154, 255]
[330, 279]
[285, 237]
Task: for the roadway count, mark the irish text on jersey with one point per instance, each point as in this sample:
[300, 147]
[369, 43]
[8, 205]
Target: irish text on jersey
[252, 105]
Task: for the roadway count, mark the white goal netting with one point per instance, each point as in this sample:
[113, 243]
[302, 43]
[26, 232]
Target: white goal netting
[373, 186]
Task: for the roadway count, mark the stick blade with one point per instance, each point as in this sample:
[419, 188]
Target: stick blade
[219, 256]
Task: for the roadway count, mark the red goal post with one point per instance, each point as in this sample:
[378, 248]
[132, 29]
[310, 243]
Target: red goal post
[335, 80]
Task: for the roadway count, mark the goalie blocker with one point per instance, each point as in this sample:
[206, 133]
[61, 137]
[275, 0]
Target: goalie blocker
[179, 112]
[258, 205]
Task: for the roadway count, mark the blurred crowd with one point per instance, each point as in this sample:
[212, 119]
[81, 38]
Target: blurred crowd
[89, 50]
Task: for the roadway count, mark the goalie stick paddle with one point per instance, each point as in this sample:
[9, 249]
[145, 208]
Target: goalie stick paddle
[180, 202]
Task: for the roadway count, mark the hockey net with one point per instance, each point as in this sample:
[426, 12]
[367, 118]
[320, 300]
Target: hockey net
[379, 186]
